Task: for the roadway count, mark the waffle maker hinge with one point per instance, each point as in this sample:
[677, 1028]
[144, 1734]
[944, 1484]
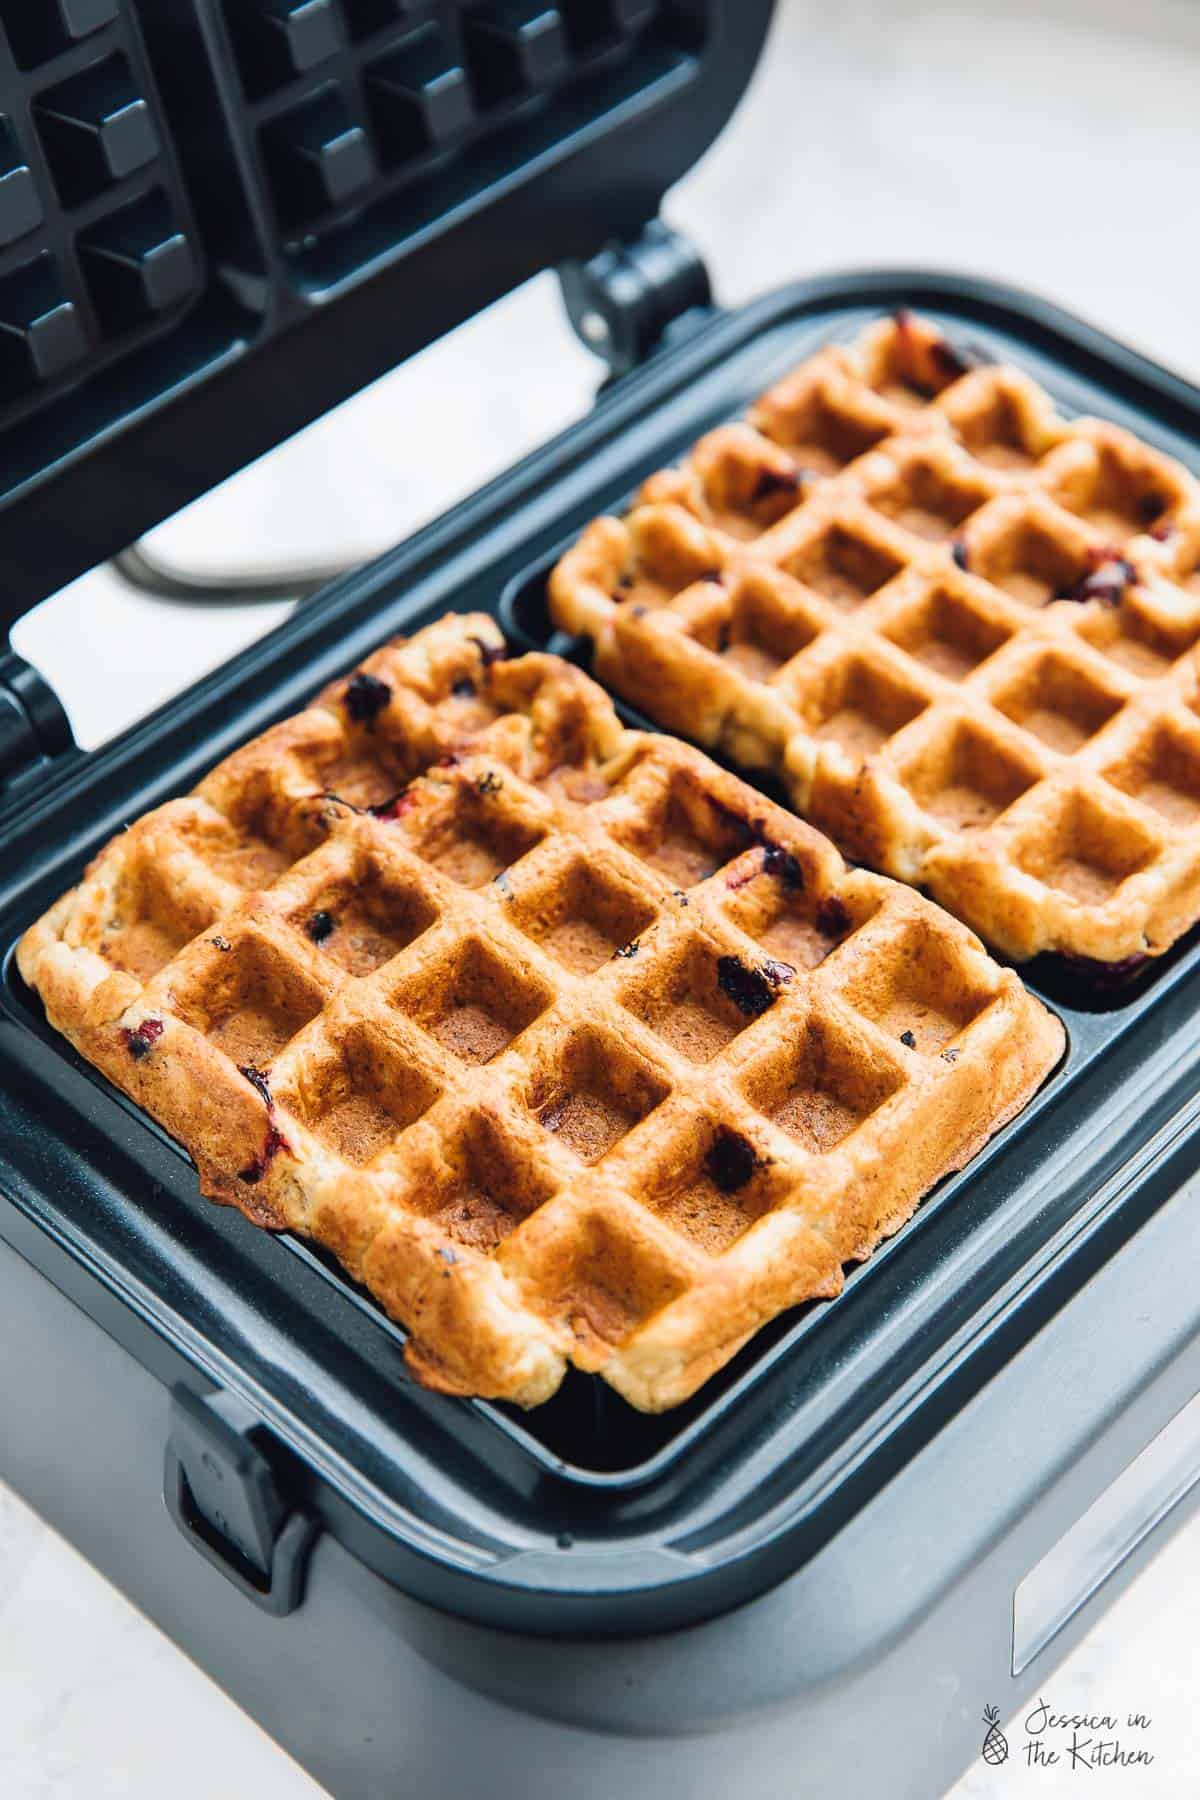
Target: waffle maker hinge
[624, 302]
[33, 724]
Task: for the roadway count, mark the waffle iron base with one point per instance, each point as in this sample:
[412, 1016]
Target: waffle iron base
[811, 1568]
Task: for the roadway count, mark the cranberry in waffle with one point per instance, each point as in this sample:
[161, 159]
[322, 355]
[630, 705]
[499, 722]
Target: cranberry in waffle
[570, 1046]
[958, 627]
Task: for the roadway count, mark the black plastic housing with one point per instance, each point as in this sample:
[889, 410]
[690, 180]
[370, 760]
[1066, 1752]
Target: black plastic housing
[218, 218]
[584, 1518]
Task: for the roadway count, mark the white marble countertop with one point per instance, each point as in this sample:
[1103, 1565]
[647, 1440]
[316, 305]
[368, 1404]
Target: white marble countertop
[1047, 142]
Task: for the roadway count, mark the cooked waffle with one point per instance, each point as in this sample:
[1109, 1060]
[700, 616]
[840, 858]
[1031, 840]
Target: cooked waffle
[958, 627]
[570, 1046]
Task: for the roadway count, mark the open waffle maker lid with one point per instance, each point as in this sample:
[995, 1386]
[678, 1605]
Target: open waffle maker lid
[219, 218]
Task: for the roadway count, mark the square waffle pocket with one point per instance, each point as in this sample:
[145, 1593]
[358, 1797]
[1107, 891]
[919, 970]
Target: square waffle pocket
[570, 1046]
[959, 628]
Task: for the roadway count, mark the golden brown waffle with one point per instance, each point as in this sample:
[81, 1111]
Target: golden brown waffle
[958, 627]
[568, 1044]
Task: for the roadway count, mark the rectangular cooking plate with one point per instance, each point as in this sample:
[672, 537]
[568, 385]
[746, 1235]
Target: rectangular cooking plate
[587, 1435]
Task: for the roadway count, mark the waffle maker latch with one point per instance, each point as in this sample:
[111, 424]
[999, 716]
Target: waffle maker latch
[623, 303]
[222, 1493]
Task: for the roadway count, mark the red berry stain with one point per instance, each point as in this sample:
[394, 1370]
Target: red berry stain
[395, 807]
[274, 1141]
[140, 1039]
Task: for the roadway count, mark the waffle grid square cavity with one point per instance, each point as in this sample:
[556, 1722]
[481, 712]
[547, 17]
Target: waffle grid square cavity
[960, 628]
[569, 1045]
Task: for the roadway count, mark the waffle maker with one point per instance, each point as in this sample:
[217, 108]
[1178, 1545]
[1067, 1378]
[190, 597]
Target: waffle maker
[218, 218]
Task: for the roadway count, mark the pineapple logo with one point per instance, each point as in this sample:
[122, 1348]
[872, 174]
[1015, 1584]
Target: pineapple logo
[995, 1744]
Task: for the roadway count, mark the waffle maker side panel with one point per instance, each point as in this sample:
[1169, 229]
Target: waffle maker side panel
[879, 1656]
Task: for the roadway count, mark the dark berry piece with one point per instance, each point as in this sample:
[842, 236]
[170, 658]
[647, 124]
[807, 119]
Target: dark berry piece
[952, 360]
[319, 925]
[489, 653]
[730, 1161]
[464, 689]
[141, 1039]
[769, 483]
[749, 989]
[258, 1081]
[784, 866]
[1106, 582]
[274, 1141]
[220, 943]
[950, 1056]
[365, 697]
[1151, 507]
[625, 582]
[958, 550]
[489, 782]
[630, 949]
[908, 1040]
[336, 800]
[393, 808]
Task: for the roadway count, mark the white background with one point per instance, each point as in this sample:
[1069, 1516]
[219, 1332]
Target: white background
[1054, 145]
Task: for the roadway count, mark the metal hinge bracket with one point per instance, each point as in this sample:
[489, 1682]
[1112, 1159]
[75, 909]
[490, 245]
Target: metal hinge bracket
[33, 725]
[625, 301]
